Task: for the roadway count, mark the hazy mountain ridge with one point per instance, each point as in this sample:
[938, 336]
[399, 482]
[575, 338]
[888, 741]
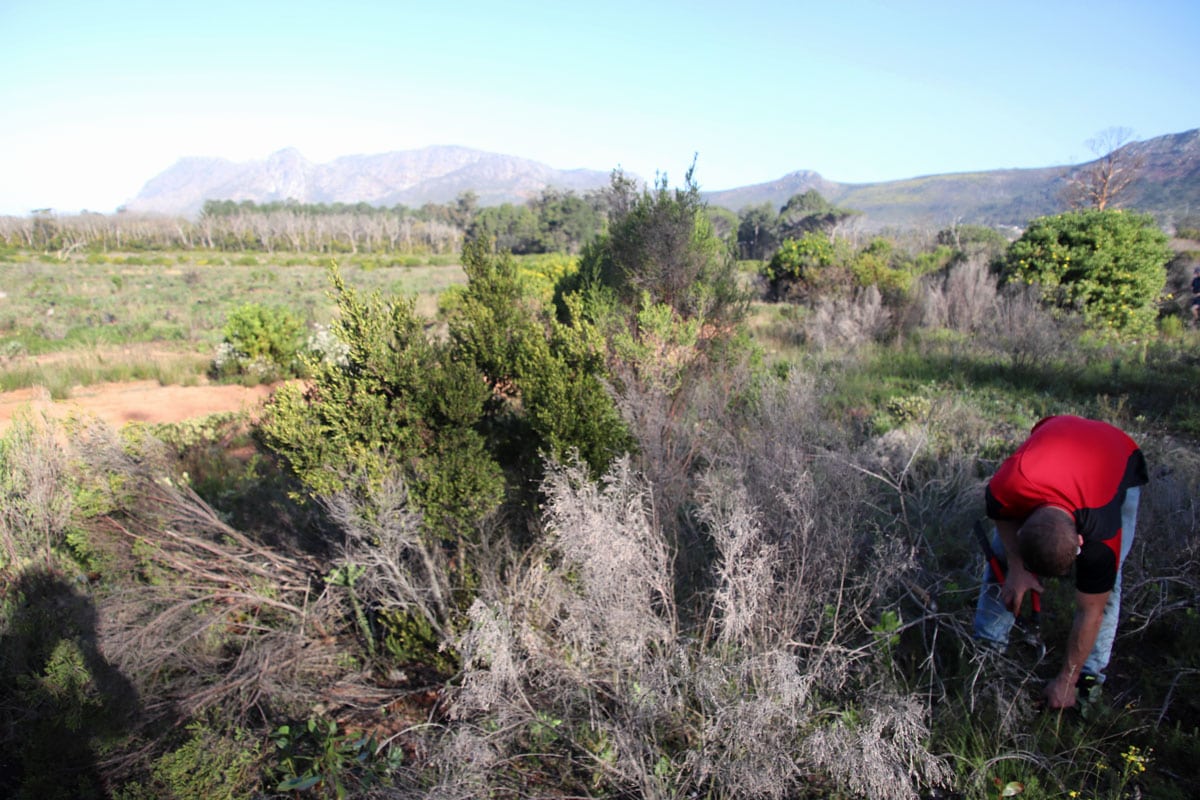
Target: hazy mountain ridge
[409, 177]
[1168, 186]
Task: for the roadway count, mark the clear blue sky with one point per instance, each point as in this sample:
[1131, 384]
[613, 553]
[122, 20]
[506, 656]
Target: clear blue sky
[97, 97]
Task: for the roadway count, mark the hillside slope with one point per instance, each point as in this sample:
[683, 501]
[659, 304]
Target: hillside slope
[1168, 187]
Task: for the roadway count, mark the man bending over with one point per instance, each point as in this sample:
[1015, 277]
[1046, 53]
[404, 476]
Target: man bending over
[1067, 497]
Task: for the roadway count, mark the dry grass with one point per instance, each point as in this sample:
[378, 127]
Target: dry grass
[216, 620]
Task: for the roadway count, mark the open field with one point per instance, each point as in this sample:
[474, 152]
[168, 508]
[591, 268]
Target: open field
[136, 317]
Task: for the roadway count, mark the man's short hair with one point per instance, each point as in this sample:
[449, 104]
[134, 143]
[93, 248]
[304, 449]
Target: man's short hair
[1048, 541]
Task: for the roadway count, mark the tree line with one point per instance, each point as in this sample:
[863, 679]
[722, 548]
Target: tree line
[554, 221]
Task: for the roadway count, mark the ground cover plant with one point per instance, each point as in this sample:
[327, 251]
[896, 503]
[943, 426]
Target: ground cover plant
[598, 534]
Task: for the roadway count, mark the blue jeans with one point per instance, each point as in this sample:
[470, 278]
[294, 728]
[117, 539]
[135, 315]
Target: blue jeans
[993, 621]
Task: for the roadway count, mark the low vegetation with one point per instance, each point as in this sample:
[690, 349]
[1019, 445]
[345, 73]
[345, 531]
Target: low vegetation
[608, 526]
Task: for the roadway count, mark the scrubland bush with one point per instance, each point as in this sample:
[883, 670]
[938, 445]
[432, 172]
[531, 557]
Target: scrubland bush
[661, 245]
[963, 299]
[1027, 332]
[815, 264]
[819, 266]
[592, 658]
[397, 400]
[848, 322]
[260, 342]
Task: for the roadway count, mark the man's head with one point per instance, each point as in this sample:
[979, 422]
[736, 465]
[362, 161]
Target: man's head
[1048, 541]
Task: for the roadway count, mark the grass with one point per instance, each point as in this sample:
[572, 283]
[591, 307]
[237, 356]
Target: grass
[159, 317]
[68, 370]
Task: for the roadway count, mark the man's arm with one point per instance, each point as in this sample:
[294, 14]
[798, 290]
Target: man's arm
[1019, 580]
[1089, 612]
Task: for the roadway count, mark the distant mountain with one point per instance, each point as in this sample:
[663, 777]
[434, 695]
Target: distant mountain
[1168, 186]
[407, 177]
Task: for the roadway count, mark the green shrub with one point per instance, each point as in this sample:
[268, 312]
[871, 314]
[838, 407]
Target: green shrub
[395, 398]
[259, 341]
[814, 264]
[210, 763]
[661, 245]
[318, 756]
[1108, 265]
[546, 376]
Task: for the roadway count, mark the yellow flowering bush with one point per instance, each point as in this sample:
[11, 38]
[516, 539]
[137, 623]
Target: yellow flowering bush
[1111, 266]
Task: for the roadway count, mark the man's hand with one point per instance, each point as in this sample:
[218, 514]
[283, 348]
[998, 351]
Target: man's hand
[1059, 693]
[1018, 581]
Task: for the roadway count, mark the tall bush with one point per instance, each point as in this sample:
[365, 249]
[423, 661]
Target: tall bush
[398, 399]
[661, 245]
[1108, 265]
[813, 264]
[546, 377]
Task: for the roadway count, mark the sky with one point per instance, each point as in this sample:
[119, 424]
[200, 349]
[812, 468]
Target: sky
[99, 96]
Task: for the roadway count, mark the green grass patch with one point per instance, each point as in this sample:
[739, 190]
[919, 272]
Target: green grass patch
[171, 301]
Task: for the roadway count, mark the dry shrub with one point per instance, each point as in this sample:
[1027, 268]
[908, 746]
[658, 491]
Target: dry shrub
[872, 754]
[580, 675]
[400, 569]
[1013, 321]
[964, 299]
[1162, 575]
[664, 421]
[1028, 333]
[36, 503]
[848, 322]
[213, 619]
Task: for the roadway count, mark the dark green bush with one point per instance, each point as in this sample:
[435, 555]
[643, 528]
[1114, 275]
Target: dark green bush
[399, 399]
[661, 246]
[1108, 265]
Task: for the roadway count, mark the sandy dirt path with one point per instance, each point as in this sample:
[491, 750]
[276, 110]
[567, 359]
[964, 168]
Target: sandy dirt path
[140, 401]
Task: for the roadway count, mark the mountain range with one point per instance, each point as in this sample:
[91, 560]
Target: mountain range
[1168, 185]
[406, 177]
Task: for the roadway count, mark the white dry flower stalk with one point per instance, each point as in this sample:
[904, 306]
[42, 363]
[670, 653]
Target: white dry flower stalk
[36, 501]
[848, 322]
[965, 300]
[756, 712]
[880, 751]
[402, 569]
[492, 669]
[745, 571]
[606, 533]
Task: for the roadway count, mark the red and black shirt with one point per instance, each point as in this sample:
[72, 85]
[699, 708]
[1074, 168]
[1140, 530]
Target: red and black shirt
[1084, 466]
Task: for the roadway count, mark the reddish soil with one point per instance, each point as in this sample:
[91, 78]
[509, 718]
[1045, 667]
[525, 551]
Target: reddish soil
[141, 401]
